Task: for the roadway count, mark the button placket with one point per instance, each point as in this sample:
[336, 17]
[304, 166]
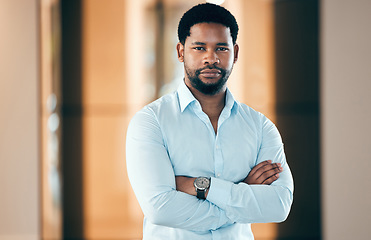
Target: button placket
[218, 157]
[203, 117]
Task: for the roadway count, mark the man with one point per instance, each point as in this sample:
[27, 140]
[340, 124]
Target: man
[203, 165]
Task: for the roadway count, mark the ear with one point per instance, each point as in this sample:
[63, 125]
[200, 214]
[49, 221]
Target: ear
[180, 51]
[236, 48]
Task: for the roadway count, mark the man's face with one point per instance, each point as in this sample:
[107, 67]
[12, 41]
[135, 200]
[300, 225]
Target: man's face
[208, 55]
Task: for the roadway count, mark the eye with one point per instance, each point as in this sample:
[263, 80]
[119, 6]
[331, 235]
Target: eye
[199, 48]
[222, 49]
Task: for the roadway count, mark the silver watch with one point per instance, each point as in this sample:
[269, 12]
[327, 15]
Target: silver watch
[201, 184]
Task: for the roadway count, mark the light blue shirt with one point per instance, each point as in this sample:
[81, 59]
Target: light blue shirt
[172, 136]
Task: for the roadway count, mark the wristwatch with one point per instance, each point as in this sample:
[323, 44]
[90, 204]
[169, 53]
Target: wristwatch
[201, 184]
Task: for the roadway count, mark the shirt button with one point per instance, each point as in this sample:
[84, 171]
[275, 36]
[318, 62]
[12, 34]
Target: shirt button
[217, 146]
[218, 175]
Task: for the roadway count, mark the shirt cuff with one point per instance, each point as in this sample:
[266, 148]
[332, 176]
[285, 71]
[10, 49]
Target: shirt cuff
[219, 192]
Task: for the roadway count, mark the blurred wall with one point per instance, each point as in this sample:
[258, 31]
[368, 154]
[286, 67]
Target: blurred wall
[98, 200]
[19, 120]
[108, 198]
[296, 46]
[346, 113]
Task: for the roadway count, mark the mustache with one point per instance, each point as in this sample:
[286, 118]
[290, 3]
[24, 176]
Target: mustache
[198, 71]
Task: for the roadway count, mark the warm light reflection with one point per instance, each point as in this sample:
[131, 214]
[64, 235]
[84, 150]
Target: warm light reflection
[218, 2]
[50, 121]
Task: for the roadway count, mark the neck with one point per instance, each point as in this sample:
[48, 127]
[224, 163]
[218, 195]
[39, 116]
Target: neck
[212, 105]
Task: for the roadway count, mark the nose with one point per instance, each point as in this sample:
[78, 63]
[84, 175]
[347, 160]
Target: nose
[211, 58]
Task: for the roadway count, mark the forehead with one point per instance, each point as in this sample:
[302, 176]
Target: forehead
[210, 33]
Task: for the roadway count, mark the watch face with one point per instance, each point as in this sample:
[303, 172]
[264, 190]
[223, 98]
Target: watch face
[202, 183]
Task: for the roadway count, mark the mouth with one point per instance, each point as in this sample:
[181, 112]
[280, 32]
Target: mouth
[210, 73]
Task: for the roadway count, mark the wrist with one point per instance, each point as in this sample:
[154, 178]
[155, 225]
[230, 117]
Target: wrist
[185, 184]
[207, 192]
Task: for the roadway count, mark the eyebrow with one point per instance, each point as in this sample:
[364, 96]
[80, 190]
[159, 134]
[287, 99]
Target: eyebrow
[202, 43]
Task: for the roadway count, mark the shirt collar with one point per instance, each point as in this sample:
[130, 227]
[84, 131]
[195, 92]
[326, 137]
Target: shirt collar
[230, 101]
[186, 97]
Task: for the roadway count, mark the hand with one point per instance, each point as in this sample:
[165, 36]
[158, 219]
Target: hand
[264, 173]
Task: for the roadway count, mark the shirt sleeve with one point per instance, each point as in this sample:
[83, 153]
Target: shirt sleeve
[152, 177]
[245, 203]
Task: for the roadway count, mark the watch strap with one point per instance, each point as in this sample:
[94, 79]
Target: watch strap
[201, 194]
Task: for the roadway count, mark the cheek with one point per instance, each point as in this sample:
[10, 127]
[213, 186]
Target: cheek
[228, 60]
[192, 61]
[194, 57]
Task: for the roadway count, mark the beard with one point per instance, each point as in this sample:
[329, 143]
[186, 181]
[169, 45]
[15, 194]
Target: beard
[207, 88]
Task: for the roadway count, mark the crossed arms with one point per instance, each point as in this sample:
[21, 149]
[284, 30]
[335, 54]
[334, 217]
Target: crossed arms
[264, 173]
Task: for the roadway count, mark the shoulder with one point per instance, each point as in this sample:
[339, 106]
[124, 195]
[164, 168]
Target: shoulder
[155, 110]
[262, 123]
[250, 113]
[166, 103]
[266, 128]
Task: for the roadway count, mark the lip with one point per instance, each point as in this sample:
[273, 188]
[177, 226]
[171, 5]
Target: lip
[210, 73]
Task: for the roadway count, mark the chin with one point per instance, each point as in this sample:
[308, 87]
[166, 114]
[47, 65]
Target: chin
[210, 80]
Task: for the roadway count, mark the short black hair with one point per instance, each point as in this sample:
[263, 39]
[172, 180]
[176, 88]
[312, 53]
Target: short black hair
[209, 13]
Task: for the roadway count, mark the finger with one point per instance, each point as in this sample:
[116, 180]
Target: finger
[257, 167]
[267, 167]
[268, 171]
[271, 179]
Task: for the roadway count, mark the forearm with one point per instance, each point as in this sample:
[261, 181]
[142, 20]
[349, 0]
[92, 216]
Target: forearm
[251, 203]
[245, 203]
[179, 210]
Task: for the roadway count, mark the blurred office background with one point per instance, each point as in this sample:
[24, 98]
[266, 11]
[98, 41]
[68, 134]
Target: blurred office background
[74, 72]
